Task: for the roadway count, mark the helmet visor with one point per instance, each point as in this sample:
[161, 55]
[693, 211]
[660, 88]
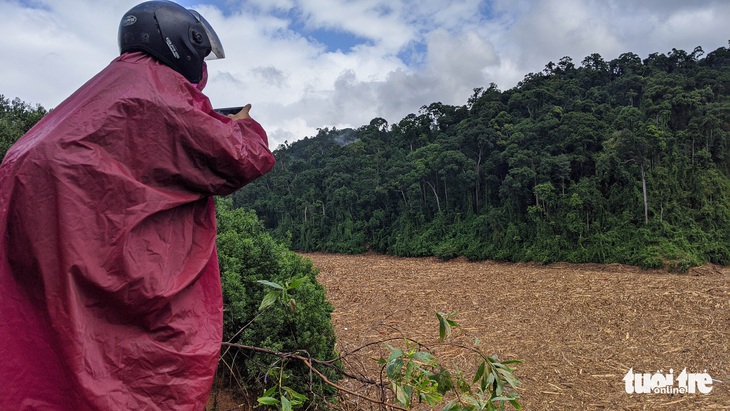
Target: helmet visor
[216, 48]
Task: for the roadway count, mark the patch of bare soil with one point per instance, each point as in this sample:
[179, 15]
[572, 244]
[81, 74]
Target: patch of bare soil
[577, 328]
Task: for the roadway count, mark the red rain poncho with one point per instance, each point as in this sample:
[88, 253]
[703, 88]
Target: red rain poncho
[110, 295]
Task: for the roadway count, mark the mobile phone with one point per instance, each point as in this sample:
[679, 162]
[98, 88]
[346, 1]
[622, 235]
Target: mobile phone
[228, 110]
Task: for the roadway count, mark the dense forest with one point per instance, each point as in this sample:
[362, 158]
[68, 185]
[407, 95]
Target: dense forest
[624, 161]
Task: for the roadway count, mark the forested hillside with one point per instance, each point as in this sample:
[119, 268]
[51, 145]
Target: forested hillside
[625, 160]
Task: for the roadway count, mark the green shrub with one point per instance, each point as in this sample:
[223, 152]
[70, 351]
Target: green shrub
[446, 250]
[718, 253]
[247, 254]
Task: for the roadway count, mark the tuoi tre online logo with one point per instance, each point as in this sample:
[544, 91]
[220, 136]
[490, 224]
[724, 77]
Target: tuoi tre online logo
[659, 383]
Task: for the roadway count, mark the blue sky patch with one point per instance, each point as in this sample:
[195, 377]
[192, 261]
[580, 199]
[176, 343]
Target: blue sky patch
[335, 40]
[414, 54]
[332, 39]
[34, 4]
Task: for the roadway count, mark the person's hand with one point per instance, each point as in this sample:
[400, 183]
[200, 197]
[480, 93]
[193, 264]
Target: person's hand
[241, 114]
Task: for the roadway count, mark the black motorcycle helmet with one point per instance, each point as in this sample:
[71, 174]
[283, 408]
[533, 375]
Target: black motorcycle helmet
[178, 37]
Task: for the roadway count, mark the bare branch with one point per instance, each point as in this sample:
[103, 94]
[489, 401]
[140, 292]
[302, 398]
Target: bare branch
[308, 361]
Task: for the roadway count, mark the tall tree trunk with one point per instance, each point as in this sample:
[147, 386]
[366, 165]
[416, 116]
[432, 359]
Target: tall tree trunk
[446, 194]
[646, 201]
[435, 194]
[478, 180]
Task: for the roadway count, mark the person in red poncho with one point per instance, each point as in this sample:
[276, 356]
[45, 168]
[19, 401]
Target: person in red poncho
[110, 295]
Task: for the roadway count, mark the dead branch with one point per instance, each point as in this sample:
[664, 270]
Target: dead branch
[308, 361]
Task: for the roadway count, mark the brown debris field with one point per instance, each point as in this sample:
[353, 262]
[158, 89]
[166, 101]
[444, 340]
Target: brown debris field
[578, 329]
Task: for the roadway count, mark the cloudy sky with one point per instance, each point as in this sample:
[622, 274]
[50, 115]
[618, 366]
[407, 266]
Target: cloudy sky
[308, 64]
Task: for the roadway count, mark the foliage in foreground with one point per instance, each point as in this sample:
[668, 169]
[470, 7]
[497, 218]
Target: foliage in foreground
[415, 373]
[411, 375]
[251, 261]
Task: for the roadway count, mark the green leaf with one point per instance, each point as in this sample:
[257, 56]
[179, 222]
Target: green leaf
[285, 404]
[296, 283]
[488, 382]
[294, 397]
[269, 392]
[473, 401]
[450, 406]
[444, 329]
[408, 391]
[445, 324]
[443, 380]
[480, 372]
[394, 367]
[430, 398]
[515, 404]
[293, 394]
[511, 380]
[500, 386]
[270, 284]
[394, 353]
[424, 357]
[400, 395]
[268, 401]
[512, 362]
[269, 299]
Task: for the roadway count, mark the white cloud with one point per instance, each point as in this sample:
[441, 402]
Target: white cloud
[548, 30]
[458, 61]
[412, 53]
[379, 21]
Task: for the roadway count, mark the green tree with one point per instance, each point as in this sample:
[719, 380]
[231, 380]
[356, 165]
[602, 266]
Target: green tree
[16, 118]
